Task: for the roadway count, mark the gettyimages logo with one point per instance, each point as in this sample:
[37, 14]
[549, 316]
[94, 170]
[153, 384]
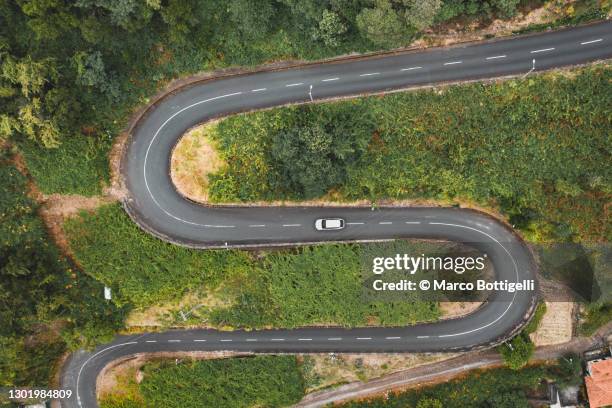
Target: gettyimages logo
[412, 264]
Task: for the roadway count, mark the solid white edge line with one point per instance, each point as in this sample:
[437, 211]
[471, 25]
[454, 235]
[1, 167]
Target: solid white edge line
[542, 50]
[515, 271]
[144, 166]
[78, 379]
[591, 42]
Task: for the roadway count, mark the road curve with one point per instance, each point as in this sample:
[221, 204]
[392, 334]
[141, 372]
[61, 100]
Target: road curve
[156, 206]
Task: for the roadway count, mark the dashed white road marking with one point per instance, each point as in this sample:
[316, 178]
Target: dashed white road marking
[199, 340]
[257, 225]
[259, 90]
[151, 341]
[592, 41]
[355, 223]
[251, 339]
[542, 50]
[296, 84]
[410, 69]
[453, 62]
[364, 338]
[413, 222]
[304, 339]
[292, 225]
[385, 222]
[422, 337]
[224, 340]
[277, 339]
[334, 338]
[495, 57]
[370, 74]
[393, 338]
[330, 79]
[174, 341]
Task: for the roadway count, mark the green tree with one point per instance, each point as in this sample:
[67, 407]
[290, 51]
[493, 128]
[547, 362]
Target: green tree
[421, 13]
[517, 352]
[382, 25]
[252, 17]
[429, 403]
[330, 29]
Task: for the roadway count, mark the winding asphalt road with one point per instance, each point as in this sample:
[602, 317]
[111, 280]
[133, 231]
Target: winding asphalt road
[156, 206]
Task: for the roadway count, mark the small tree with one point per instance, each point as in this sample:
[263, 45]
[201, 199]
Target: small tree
[330, 29]
[517, 352]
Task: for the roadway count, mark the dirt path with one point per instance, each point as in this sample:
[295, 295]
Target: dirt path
[444, 370]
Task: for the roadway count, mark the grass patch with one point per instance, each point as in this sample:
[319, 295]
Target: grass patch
[288, 288]
[533, 324]
[597, 315]
[536, 149]
[78, 166]
[261, 381]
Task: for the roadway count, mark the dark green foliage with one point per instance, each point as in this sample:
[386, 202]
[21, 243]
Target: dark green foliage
[569, 372]
[262, 381]
[77, 69]
[597, 315]
[289, 288]
[45, 303]
[518, 351]
[488, 388]
[537, 149]
[532, 326]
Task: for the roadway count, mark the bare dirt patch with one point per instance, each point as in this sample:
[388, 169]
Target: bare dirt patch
[190, 311]
[451, 310]
[195, 157]
[326, 370]
[556, 326]
[453, 33]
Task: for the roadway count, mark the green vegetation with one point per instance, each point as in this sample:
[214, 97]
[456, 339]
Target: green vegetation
[482, 388]
[517, 352]
[575, 13]
[532, 326]
[536, 149]
[46, 305]
[309, 285]
[70, 73]
[597, 315]
[262, 381]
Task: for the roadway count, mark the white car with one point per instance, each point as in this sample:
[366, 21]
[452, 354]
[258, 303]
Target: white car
[327, 224]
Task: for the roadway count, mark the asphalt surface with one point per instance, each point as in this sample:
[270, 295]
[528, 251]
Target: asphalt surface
[156, 206]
